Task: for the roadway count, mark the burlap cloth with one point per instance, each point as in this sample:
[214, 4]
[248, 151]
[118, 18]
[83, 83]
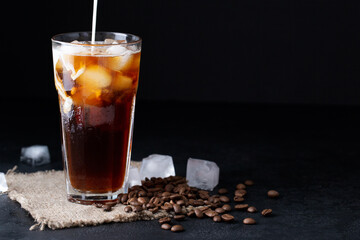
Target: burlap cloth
[43, 195]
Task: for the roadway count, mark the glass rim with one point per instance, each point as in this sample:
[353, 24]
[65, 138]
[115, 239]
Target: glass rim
[95, 45]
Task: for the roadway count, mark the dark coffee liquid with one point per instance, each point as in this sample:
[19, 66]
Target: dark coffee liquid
[96, 145]
[97, 123]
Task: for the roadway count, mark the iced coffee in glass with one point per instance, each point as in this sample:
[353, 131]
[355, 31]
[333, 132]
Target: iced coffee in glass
[96, 84]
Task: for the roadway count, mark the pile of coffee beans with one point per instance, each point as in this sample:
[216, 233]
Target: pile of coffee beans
[173, 194]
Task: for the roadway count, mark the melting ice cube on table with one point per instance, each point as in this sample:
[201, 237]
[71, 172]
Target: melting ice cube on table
[36, 155]
[157, 165]
[202, 174]
[134, 177]
[3, 185]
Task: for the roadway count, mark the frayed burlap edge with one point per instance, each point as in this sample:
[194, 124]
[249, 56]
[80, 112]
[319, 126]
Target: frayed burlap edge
[43, 195]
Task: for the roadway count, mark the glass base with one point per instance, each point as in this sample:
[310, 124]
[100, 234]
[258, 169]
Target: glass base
[89, 199]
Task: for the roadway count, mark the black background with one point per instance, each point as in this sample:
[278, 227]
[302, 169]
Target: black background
[283, 51]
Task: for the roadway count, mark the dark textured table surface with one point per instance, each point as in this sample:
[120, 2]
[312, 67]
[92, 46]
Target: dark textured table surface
[310, 154]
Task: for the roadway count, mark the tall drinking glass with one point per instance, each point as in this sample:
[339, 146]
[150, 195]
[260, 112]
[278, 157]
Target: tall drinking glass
[97, 85]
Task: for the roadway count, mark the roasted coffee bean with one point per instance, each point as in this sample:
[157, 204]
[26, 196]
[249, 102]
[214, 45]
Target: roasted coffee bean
[124, 198]
[240, 192]
[199, 202]
[199, 213]
[127, 209]
[273, 194]
[131, 194]
[203, 208]
[164, 220]
[249, 221]
[182, 190]
[219, 210]
[175, 196]
[177, 228]
[241, 206]
[249, 182]
[217, 218]
[165, 199]
[191, 213]
[216, 200]
[266, 212]
[107, 208]
[149, 194]
[252, 209]
[154, 210]
[143, 200]
[166, 194]
[142, 193]
[238, 199]
[177, 208]
[167, 206]
[210, 213]
[224, 199]
[169, 187]
[180, 202]
[223, 191]
[137, 208]
[179, 217]
[156, 201]
[226, 207]
[156, 189]
[191, 195]
[165, 226]
[227, 217]
[150, 205]
[240, 186]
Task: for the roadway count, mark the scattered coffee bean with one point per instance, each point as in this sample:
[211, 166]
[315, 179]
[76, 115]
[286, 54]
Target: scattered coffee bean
[217, 218]
[240, 192]
[165, 226]
[227, 217]
[179, 217]
[226, 207]
[266, 212]
[240, 186]
[210, 213]
[219, 210]
[199, 213]
[143, 200]
[252, 209]
[137, 208]
[180, 202]
[249, 221]
[177, 228]
[154, 210]
[238, 199]
[273, 194]
[175, 197]
[224, 199]
[127, 209]
[107, 208]
[249, 182]
[191, 213]
[164, 220]
[241, 206]
[177, 208]
[223, 191]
